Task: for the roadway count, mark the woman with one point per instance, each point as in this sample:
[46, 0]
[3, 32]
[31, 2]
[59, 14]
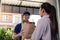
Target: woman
[44, 25]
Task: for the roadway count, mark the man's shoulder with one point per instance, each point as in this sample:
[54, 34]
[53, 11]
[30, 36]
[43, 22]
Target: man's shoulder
[19, 24]
[17, 28]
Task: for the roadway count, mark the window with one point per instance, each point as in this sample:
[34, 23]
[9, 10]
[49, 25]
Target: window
[22, 9]
[2, 8]
[8, 9]
[36, 11]
[15, 9]
[17, 18]
[30, 10]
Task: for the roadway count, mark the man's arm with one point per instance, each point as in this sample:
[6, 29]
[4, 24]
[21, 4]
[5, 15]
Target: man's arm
[15, 36]
[17, 32]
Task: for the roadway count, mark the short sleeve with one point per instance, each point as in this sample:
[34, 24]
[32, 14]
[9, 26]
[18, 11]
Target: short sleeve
[17, 28]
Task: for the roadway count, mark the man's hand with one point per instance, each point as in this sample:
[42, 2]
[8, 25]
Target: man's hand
[22, 32]
[15, 36]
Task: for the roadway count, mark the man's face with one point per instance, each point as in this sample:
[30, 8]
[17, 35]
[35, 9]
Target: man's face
[26, 17]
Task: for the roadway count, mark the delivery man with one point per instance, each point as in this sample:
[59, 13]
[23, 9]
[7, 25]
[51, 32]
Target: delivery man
[17, 31]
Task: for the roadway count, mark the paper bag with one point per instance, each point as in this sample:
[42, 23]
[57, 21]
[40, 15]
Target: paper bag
[28, 29]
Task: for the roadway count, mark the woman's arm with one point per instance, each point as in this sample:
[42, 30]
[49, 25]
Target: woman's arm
[37, 34]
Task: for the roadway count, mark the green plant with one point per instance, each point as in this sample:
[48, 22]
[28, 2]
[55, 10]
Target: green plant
[25, 21]
[5, 34]
[2, 33]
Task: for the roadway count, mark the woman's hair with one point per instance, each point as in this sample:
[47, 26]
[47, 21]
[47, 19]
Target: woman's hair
[53, 18]
[50, 9]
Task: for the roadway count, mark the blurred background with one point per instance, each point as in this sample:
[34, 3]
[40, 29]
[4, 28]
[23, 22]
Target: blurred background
[11, 10]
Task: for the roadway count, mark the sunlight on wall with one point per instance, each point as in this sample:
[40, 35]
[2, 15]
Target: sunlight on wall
[34, 18]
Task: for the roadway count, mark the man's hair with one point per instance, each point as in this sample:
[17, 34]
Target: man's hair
[26, 13]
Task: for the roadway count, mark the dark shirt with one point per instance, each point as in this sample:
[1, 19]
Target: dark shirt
[17, 30]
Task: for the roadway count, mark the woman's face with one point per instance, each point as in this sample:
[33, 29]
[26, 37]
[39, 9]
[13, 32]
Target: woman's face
[40, 12]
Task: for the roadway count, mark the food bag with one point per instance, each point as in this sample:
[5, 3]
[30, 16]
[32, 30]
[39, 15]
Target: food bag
[28, 29]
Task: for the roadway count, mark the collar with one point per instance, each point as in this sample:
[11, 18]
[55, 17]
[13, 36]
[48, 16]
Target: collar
[46, 16]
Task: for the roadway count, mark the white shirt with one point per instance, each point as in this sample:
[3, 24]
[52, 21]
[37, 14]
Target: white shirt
[42, 29]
